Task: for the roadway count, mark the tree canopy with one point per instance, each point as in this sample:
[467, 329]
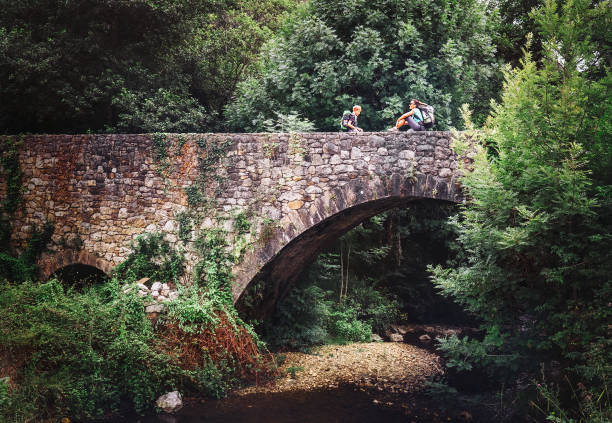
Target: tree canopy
[536, 235]
[126, 66]
[379, 54]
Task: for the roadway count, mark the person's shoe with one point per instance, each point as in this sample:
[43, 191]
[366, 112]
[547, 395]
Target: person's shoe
[394, 129]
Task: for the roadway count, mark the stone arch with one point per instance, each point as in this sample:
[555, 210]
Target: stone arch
[50, 263]
[304, 233]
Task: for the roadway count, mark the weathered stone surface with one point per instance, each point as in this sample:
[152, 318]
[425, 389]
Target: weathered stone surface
[425, 339]
[108, 189]
[396, 337]
[170, 402]
[155, 308]
[294, 205]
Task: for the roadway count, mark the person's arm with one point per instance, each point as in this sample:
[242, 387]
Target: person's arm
[405, 115]
[350, 125]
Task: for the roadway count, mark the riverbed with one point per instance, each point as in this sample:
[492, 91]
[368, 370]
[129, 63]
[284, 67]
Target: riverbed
[360, 383]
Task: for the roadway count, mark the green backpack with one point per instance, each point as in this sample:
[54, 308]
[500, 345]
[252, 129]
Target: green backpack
[346, 115]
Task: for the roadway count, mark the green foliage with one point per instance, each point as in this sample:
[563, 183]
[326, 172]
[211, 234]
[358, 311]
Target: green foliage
[152, 257]
[11, 170]
[84, 352]
[299, 322]
[9, 160]
[23, 267]
[535, 236]
[131, 67]
[378, 54]
[290, 122]
[241, 223]
[293, 370]
[344, 326]
[383, 269]
[590, 407]
[4, 389]
[185, 226]
[212, 379]
[211, 152]
[465, 353]
[376, 308]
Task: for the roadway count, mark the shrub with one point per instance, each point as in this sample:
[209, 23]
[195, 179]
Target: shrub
[343, 326]
[152, 257]
[82, 353]
[299, 321]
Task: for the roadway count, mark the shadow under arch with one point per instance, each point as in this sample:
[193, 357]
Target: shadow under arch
[50, 263]
[292, 260]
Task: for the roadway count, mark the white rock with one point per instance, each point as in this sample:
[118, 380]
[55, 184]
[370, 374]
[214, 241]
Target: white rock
[170, 226]
[161, 298]
[426, 339]
[142, 293]
[173, 295]
[157, 286]
[396, 337]
[171, 402]
[143, 287]
[155, 308]
[376, 338]
[155, 294]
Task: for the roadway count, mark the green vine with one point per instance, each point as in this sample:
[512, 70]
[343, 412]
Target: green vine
[10, 164]
[213, 153]
[161, 157]
[11, 168]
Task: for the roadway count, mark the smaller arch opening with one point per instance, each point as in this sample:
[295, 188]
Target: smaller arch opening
[79, 275]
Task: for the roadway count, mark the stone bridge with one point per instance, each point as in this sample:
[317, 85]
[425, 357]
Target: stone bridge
[280, 198]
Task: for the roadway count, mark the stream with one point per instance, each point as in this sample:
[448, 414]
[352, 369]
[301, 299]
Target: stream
[342, 404]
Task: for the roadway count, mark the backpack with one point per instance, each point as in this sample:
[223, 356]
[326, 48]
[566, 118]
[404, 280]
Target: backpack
[346, 115]
[428, 116]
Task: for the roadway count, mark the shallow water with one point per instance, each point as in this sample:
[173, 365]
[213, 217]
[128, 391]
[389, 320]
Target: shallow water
[339, 405]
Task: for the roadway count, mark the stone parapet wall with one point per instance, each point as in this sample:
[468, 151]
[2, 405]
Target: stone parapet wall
[101, 191]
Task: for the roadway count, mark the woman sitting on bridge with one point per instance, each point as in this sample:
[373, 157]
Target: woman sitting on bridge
[413, 118]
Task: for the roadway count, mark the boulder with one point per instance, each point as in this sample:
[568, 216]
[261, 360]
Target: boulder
[165, 291]
[402, 330]
[170, 402]
[396, 337]
[155, 308]
[157, 286]
[376, 338]
[142, 287]
[425, 339]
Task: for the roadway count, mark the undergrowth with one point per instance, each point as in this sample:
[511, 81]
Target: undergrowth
[83, 354]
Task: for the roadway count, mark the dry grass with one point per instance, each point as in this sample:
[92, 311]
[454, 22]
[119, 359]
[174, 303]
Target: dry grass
[223, 343]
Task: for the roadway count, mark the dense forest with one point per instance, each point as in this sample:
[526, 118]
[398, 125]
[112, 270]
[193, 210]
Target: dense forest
[526, 259]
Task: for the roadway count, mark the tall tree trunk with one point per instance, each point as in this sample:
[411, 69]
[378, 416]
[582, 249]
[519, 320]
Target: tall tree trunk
[346, 282]
[341, 274]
